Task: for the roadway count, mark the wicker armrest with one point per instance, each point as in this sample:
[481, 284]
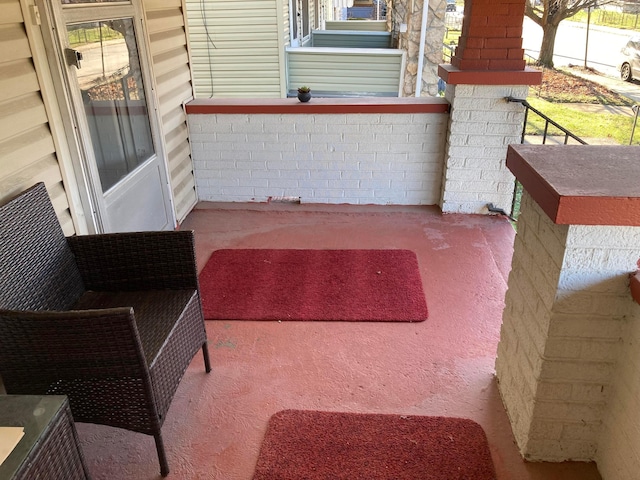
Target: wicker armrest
[41, 348]
[136, 261]
[67, 322]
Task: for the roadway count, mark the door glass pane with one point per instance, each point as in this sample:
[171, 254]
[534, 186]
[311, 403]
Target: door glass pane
[113, 95]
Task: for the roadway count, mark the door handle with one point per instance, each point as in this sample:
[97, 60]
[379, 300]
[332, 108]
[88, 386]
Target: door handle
[73, 57]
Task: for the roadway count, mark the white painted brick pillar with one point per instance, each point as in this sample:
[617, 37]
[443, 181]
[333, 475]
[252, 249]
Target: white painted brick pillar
[487, 66]
[567, 299]
[481, 126]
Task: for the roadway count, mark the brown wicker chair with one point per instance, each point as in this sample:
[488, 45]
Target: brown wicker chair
[112, 321]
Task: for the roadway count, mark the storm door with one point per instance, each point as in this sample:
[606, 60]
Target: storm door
[105, 71]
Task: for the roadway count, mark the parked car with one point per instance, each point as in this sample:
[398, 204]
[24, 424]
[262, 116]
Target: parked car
[451, 7]
[630, 64]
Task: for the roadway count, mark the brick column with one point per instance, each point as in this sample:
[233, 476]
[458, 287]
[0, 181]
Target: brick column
[568, 296]
[491, 36]
[487, 67]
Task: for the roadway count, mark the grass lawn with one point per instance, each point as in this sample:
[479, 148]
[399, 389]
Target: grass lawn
[556, 98]
[583, 124]
[630, 21]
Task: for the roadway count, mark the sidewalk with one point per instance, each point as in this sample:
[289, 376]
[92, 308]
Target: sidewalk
[606, 75]
[559, 140]
[630, 90]
[599, 108]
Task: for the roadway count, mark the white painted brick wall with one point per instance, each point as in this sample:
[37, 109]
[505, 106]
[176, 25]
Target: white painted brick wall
[566, 305]
[531, 290]
[482, 125]
[618, 455]
[321, 158]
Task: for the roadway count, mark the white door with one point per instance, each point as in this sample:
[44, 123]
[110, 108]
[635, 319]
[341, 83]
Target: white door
[107, 84]
[299, 22]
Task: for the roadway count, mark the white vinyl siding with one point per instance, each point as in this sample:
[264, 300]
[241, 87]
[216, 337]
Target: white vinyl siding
[170, 58]
[366, 25]
[350, 39]
[282, 11]
[236, 48]
[341, 71]
[313, 15]
[286, 37]
[27, 149]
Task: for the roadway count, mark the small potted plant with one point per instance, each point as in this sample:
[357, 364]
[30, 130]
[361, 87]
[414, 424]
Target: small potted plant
[304, 93]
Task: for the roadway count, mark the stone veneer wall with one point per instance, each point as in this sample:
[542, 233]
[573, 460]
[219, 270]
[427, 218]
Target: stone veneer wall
[376, 158]
[482, 125]
[410, 41]
[568, 312]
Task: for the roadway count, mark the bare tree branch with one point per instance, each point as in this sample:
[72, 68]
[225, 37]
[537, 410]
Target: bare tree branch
[559, 8]
[549, 13]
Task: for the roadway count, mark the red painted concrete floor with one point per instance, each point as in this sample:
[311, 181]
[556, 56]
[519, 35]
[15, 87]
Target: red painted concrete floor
[443, 366]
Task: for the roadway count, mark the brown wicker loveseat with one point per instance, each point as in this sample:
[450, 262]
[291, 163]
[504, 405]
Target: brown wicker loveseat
[110, 320]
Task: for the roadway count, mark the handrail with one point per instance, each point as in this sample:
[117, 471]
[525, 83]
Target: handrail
[517, 193]
[447, 55]
[567, 133]
[636, 110]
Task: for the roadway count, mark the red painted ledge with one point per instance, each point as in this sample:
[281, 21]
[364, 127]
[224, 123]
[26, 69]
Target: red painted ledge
[455, 76]
[318, 105]
[581, 184]
[635, 286]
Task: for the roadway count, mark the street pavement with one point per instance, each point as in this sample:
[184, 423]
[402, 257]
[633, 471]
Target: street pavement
[602, 61]
[603, 53]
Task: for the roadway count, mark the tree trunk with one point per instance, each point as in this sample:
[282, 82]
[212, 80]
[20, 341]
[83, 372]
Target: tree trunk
[548, 42]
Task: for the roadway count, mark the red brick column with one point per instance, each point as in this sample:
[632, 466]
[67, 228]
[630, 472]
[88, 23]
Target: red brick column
[490, 46]
[491, 36]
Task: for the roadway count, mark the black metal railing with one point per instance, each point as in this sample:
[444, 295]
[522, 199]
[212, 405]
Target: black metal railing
[547, 121]
[565, 133]
[447, 52]
[636, 111]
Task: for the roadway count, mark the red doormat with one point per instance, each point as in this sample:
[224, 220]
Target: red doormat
[351, 446]
[350, 285]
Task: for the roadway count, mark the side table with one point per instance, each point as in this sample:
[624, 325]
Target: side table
[49, 448]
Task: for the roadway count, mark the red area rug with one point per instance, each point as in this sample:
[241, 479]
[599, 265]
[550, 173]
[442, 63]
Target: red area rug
[349, 285]
[351, 446]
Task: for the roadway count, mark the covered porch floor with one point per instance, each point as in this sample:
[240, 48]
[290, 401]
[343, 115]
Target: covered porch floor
[442, 367]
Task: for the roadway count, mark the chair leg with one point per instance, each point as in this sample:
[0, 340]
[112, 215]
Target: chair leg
[162, 456]
[205, 354]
